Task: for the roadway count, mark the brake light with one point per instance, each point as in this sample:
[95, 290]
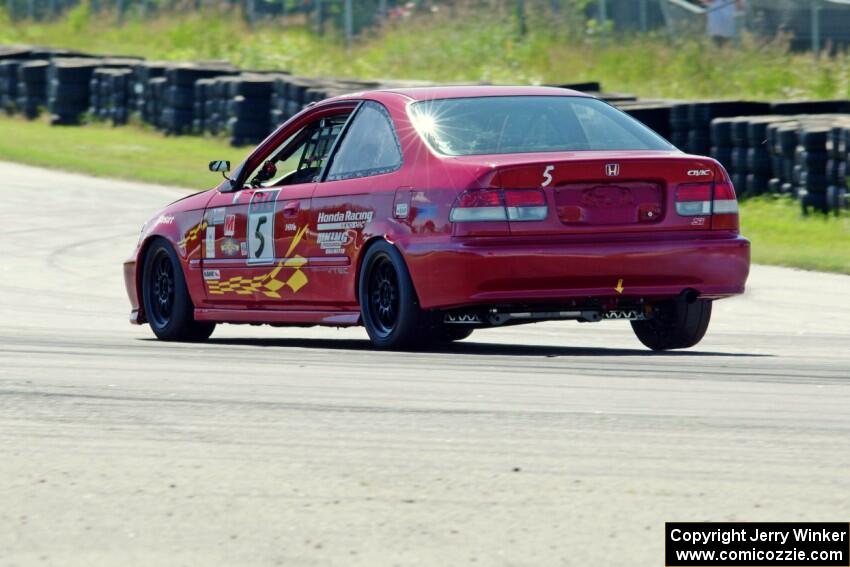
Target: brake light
[694, 200]
[479, 205]
[725, 207]
[725, 202]
[526, 204]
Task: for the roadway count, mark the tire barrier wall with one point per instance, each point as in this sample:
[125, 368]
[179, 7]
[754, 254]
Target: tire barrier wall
[799, 148]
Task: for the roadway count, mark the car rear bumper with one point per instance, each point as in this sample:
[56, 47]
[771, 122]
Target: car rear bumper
[486, 271]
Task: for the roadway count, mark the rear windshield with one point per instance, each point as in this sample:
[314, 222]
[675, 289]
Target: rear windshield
[521, 124]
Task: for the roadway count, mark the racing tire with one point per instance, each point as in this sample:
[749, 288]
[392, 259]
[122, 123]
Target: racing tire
[676, 325]
[389, 307]
[168, 307]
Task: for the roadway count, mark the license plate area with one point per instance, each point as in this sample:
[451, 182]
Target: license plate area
[606, 204]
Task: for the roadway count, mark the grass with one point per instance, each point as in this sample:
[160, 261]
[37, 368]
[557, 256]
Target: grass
[779, 235]
[132, 153]
[457, 45]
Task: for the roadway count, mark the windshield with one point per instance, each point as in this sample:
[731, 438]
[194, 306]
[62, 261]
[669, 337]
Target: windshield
[522, 124]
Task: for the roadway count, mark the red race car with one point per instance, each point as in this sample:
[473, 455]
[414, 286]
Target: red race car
[425, 213]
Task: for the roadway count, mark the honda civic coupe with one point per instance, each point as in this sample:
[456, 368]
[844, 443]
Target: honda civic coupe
[425, 214]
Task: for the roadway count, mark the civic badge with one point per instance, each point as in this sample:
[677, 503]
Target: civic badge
[612, 169]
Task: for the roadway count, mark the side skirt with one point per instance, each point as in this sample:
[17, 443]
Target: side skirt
[330, 318]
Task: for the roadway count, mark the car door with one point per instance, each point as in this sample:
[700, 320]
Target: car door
[354, 199]
[256, 237]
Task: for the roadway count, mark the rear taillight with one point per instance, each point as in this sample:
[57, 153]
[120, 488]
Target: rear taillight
[709, 199]
[481, 205]
[725, 202]
[694, 200]
[725, 207]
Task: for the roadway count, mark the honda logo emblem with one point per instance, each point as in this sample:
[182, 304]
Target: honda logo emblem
[612, 169]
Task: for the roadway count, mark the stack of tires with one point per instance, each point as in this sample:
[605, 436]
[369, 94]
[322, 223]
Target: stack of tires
[146, 104]
[656, 115]
[179, 111]
[782, 144]
[249, 109]
[289, 97]
[99, 94]
[203, 95]
[810, 107]
[690, 122]
[119, 101]
[721, 143]
[68, 89]
[759, 165]
[836, 168]
[155, 103]
[811, 158]
[215, 105]
[9, 85]
[32, 87]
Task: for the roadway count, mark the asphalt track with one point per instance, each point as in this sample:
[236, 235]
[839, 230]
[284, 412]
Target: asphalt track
[554, 444]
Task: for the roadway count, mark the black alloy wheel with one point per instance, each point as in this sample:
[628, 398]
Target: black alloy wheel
[168, 307]
[389, 307]
[161, 289]
[383, 296]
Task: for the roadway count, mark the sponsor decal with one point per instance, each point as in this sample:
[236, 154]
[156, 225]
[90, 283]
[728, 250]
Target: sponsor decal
[402, 210]
[217, 216]
[210, 242]
[243, 248]
[165, 219]
[261, 227]
[191, 235]
[290, 227]
[212, 275]
[230, 225]
[333, 242]
[344, 220]
[230, 247]
[271, 283]
[338, 229]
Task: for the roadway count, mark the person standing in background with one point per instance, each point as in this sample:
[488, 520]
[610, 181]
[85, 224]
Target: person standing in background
[721, 24]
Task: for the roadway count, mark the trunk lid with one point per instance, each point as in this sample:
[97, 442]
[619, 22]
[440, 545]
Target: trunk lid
[604, 192]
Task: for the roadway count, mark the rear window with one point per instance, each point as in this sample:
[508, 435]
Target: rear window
[521, 124]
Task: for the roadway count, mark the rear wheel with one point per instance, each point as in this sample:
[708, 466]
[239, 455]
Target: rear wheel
[677, 324]
[168, 307]
[388, 303]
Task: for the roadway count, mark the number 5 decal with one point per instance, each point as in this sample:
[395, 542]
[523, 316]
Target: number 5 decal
[261, 214]
[258, 253]
[547, 175]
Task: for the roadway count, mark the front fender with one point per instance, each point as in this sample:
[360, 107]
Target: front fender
[184, 230]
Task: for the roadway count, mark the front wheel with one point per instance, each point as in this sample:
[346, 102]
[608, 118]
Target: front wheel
[677, 324]
[168, 307]
[389, 307]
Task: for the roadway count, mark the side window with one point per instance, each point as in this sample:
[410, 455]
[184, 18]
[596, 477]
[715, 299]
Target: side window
[300, 158]
[370, 146]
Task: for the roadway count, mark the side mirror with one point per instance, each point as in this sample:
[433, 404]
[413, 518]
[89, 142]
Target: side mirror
[220, 165]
